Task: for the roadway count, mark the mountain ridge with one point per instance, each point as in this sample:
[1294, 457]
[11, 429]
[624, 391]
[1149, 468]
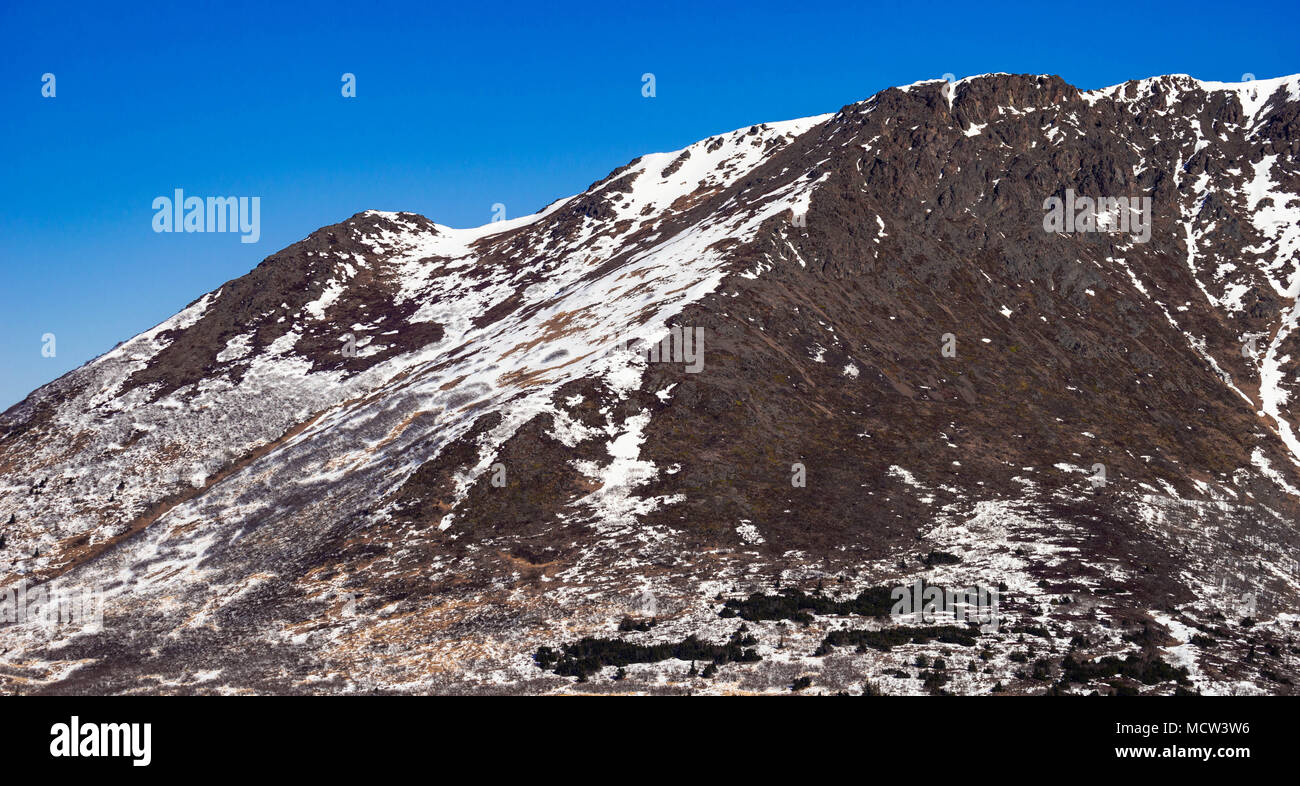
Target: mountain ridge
[825, 260]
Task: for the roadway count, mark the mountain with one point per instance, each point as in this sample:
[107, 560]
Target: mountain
[726, 406]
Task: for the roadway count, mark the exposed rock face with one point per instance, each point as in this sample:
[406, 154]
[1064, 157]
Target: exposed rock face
[402, 457]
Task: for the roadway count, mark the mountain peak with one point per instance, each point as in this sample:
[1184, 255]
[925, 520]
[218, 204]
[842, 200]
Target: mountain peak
[767, 377]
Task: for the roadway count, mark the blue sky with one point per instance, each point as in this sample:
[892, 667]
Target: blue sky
[458, 107]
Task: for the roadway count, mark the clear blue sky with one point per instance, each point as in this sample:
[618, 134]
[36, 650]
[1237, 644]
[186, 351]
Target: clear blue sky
[458, 107]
